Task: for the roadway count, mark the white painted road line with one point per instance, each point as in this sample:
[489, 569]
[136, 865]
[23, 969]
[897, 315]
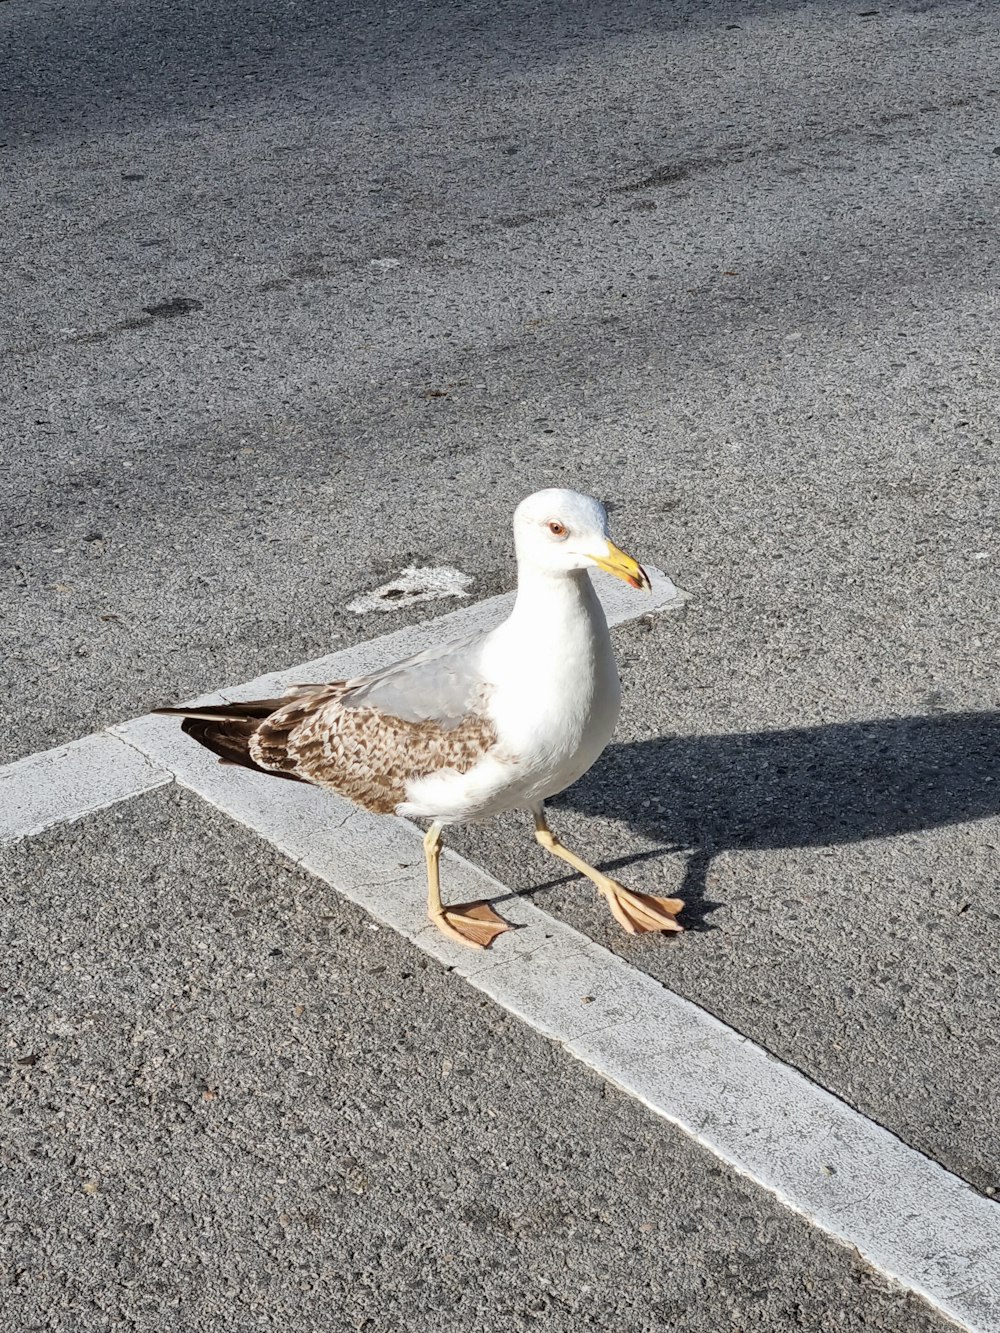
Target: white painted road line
[907, 1216]
[620, 603]
[64, 784]
[71, 781]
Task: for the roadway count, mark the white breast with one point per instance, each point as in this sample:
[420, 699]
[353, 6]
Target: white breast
[555, 686]
[553, 699]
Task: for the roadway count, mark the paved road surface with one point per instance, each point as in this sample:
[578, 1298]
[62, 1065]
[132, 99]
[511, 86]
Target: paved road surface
[295, 298]
[244, 1105]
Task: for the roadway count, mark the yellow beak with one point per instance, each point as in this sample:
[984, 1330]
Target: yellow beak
[623, 567]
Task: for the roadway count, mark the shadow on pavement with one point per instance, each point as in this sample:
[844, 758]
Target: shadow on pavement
[70, 69]
[806, 787]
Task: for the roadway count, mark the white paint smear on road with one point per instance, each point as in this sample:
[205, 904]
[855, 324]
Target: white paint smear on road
[415, 583]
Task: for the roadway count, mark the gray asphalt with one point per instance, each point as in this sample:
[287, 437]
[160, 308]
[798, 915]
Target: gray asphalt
[231, 1102]
[294, 298]
[841, 881]
[729, 267]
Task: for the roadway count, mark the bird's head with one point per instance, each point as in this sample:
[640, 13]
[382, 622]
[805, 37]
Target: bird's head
[557, 531]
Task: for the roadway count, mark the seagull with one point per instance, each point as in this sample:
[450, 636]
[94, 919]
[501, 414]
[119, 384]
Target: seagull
[500, 720]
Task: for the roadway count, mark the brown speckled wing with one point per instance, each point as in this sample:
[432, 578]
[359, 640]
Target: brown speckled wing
[361, 752]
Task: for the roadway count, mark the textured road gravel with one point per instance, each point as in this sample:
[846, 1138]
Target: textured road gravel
[296, 295]
[230, 1099]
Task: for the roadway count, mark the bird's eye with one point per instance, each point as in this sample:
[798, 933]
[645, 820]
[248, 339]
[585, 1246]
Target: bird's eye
[557, 529]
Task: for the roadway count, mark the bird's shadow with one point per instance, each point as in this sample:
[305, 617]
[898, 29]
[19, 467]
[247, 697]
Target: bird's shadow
[803, 787]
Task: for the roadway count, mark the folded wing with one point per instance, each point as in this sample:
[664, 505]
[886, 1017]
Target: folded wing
[366, 738]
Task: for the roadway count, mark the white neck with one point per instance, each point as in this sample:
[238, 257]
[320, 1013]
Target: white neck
[543, 593]
[555, 608]
[554, 667]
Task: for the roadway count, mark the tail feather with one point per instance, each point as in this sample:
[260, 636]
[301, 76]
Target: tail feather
[251, 708]
[227, 729]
